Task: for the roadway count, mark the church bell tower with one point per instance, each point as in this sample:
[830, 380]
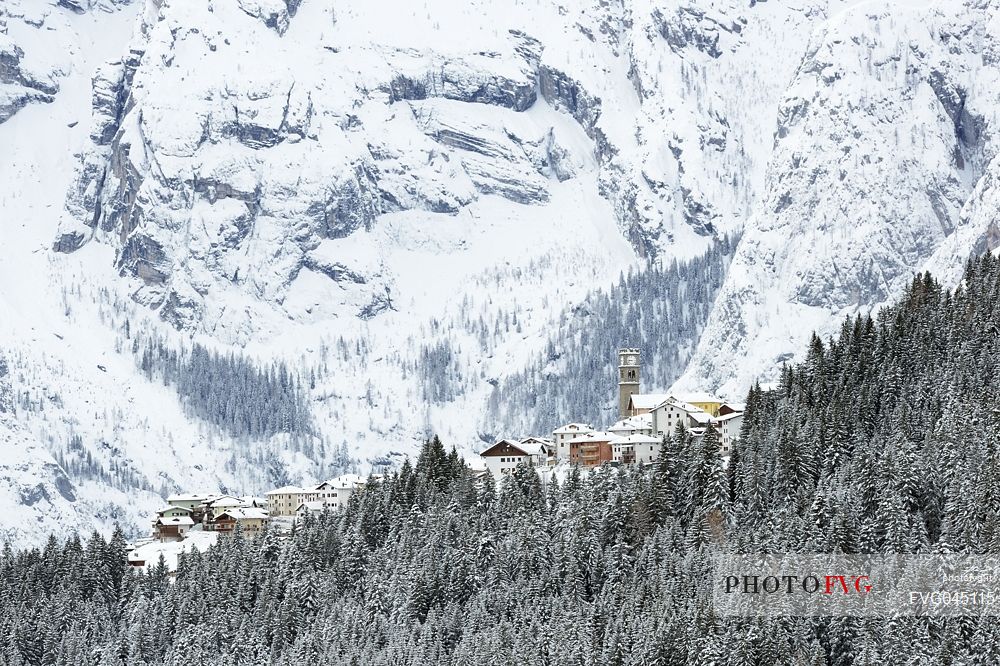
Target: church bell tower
[628, 378]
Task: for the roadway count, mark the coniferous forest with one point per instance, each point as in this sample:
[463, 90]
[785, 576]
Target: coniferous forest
[662, 309]
[884, 439]
[229, 390]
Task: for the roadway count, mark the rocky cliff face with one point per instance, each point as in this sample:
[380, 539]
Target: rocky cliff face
[235, 143]
[879, 157]
[23, 79]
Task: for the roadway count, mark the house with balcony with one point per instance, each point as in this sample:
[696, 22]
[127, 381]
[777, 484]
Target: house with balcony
[635, 449]
[505, 455]
[592, 449]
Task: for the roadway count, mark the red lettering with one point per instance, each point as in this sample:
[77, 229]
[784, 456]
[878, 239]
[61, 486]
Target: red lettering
[832, 580]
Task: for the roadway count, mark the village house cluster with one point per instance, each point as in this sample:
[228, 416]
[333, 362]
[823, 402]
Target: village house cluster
[296, 501]
[219, 513]
[644, 419]
[198, 519]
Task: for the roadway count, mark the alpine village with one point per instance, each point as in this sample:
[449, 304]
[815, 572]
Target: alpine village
[197, 520]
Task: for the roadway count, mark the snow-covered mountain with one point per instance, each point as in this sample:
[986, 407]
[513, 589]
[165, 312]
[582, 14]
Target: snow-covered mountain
[881, 167]
[401, 208]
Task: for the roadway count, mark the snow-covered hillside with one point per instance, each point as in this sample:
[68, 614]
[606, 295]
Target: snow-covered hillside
[878, 171]
[404, 208]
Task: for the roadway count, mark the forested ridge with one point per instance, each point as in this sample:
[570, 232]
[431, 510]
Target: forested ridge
[883, 439]
[229, 390]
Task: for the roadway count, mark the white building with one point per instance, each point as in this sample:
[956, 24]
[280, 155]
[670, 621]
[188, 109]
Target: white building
[544, 442]
[644, 403]
[505, 455]
[561, 437]
[254, 502]
[635, 449]
[285, 500]
[670, 412]
[167, 528]
[336, 493]
[633, 425]
[188, 501]
[729, 430]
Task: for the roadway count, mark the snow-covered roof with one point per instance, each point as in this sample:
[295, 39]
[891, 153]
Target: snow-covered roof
[738, 406]
[312, 507]
[172, 508]
[347, 481]
[148, 551]
[729, 417]
[673, 401]
[596, 436]
[532, 448]
[571, 428]
[177, 520]
[634, 439]
[287, 490]
[525, 449]
[633, 423]
[698, 396]
[701, 417]
[225, 500]
[250, 500]
[246, 513]
[647, 400]
[188, 498]
[536, 440]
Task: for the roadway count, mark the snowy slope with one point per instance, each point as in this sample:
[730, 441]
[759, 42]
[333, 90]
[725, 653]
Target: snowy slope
[883, 136]
[400, 205]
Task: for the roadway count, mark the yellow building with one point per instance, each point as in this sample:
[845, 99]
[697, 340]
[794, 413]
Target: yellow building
[704, 401]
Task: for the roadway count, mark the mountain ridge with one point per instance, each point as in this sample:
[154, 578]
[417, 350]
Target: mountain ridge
[406, 211]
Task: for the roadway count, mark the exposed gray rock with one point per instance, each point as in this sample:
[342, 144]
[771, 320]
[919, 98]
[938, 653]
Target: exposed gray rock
[690, 26]
[470, 79]
[31, 495]
[6, 390]
[63, 485]
[108, 101]
[266, 118]
[496, 163]
[698, 214]
[276, 14]
[556, 160]
[182, 311]
[78, 6]
[969, 128]
[334, 270]
[565, 93]
[350, 204]
[213, 190]
[69, 241]
[527, 47]
[379, 304]
[13, 100]
[18, 88]
[144, 257]
[508, 183]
